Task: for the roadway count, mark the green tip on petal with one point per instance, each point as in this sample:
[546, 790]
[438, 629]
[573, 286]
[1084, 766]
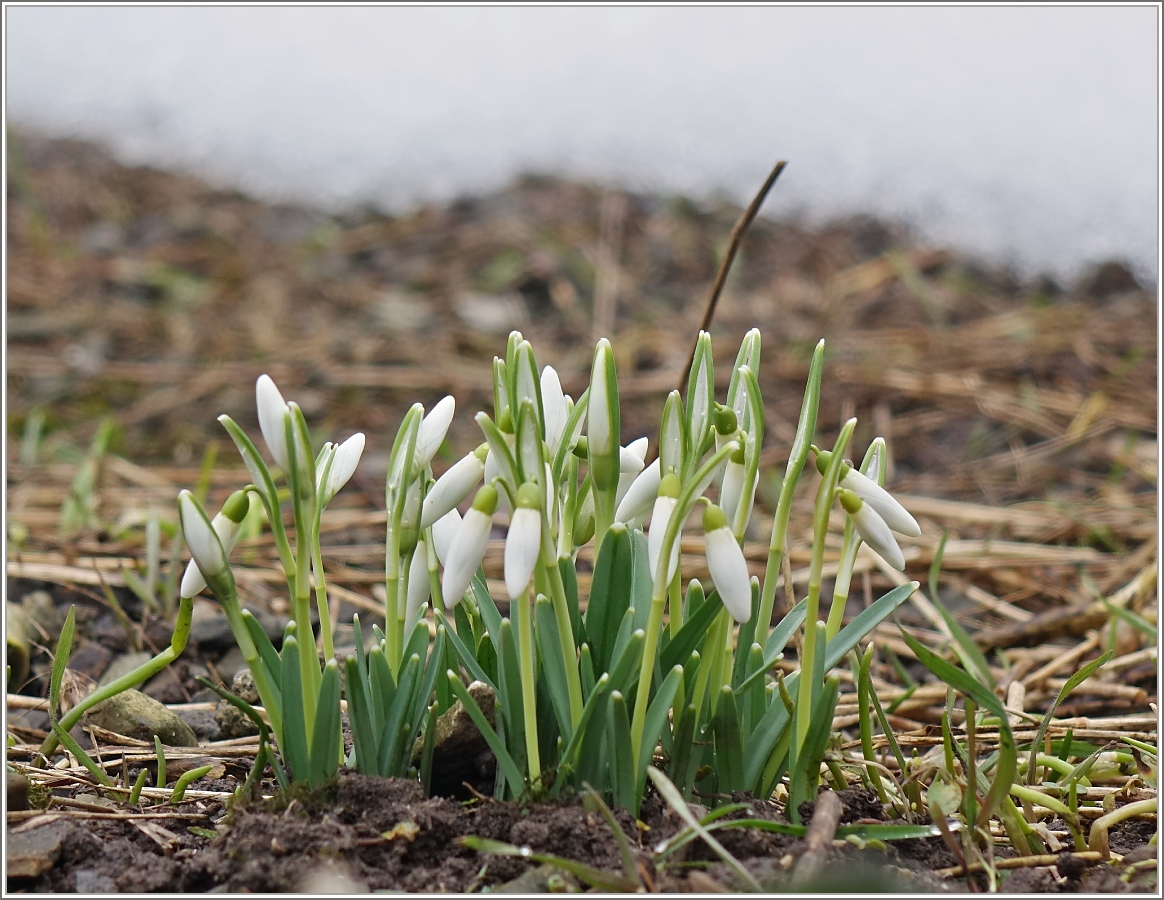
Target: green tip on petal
[529, 496]
[737, 456]
[850, 501]
[236, 506]
[713, 518]
[670, 485]
[726, 422]
[486, 500]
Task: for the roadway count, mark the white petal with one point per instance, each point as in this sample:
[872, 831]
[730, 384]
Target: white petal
[877, 535]
[732, 489]
[272, 413]
[892, 512]
[433, 428]
[465, 555]
[227, 531]
[444, 530]
[600, 430]
[639, 497]
[451, 488]
[729, 571]
[635, 450]
[202, 539]
[660, 516]
[553, 407]
[522, 549]
[343, 464]
[418, 587]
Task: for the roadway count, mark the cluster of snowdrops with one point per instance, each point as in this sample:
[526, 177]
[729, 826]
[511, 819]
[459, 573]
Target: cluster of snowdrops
[640, 673]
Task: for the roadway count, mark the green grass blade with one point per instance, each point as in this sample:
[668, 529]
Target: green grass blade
[392, 752]
[1071, 684]
[294, 749]
[364, 738]
[505, 762]
[692, 634]
[654, 723]
[553, 664]
[266, 649]
[729, 753]
[325, 747]
[964, 647]
[464, 654]
[610, 593]
[60, 661]
[595, 878]
[619, 752]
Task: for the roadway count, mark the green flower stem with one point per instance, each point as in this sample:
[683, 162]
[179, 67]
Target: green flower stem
[566, 637]
[603, 516]
[142, 673]
[824, 504]
[321, 600]
[392, 629]
[254, 660]
[843, 581]
[675, 602]
[683, 506]
[805, 430]
[525, 650]
[711, 663]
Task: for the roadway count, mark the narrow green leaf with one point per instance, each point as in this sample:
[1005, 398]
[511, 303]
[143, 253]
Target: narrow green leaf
[729, 755]
[619, 752]
[391, 741]
[692, 634]
[365, 739]
[653, 725]
[266, 649]
[1071, 684]
[675, 799]
[382, 687]
[592, 706]
[505, 762]
[553, 663]
[610, 593]
[596, 878]
[325, 742]
[60, 661]
[463, 653]
[964, 647]
[294, 748]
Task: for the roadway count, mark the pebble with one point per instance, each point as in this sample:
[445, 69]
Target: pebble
[135, 715]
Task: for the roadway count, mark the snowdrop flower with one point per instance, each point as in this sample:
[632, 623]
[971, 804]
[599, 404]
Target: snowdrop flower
[418, 588]
[444, 530]
[209, 542]
[873, 529]
[891, 512]
[636, 502]
[664, 507]
[468, 546]
[273, 413]
[433, 428]
[603, 420]
[630, 463]
[729, 569]
[344, 460]
[732, 488]
[453, 486]
[523, 544]
[554, 408]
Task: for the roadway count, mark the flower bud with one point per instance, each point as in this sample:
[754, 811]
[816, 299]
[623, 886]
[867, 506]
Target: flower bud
[725, 560]
[344, 460]
[891, 512]
[603, 420]
[554, 408]
[273, 411]
[209, 542]
[669, 487]
[523, 544]
[640, 495]
[433, 428]
[468, 546]
[872, 528]
[453, 486]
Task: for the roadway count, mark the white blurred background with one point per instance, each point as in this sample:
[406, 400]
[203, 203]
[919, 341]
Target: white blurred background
[1025, 135]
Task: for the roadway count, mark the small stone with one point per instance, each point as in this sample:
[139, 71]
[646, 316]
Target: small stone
[460, 753]
[135, 715]
[35, 848]
[17, 791]
[231, 720]
[90, 659]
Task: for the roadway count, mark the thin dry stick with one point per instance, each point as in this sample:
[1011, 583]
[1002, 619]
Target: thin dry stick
[734, 241]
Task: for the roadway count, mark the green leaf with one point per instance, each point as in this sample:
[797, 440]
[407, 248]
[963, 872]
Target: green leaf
[83, 758]
[1071, 684]
[486, 608]
[654, 723]
[624, 672]
[642, 580]
[325, 742]
[505, 762]
[964, 647]
[745, 636]
[295, 750]
[553, 664]
[395, 730]
[364, 738]
[675, 799]
[382, 685]
[463, 653]
[60, 661]
[620, 758]
[1007, 766]
[806, 768]
[766, 734]
[610, 593]
[691, 635]
[596, 878]
[729, 755]
[266, 649]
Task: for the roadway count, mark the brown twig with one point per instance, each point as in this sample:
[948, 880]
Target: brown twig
[734, 241]
[822, 828]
